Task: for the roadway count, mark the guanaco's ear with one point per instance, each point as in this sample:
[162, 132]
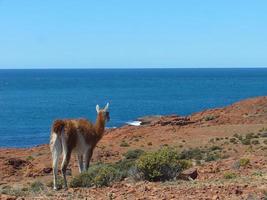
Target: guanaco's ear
[106, 107]
[97, 108]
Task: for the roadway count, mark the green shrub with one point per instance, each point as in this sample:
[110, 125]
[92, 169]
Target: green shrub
[133, 154]
[233, 140]
[261, 130]
[212, 156]
[238, 136]
[159, 165]
[97, 175]
[124, 144]
[60, 183]
[105, 176]
[214, 148]
[250, 136]
[25, 189]
[195, 153]
[124, 166]
[230, 175]
[185, 164]
[209, 117]
[36, 186]
[211, 140]
[255, 142]
[29, 158]
[18, 192]
[258, 173]
[265, 141]
[244, 162]
[246, 141]
[198, 162]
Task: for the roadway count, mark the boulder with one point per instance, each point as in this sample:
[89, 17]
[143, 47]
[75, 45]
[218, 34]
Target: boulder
[174, 121]
[188, 174]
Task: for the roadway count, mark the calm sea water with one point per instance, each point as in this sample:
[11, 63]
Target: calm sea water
[31, 99]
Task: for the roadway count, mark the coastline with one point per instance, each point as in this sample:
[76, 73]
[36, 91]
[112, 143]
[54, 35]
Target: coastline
[153, 119]
[205, 129]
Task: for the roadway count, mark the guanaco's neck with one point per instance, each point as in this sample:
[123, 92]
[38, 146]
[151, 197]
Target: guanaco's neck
[100, 124]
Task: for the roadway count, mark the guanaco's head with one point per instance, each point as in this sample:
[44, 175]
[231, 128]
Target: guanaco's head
[103, 112]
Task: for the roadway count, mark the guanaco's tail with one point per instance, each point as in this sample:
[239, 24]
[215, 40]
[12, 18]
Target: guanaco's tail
[58, 126]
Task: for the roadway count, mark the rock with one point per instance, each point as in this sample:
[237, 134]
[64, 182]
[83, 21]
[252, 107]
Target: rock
[189, 174]
[7, 197]
[238, 192]
[47, 170]
[264, 134]
[149, 119]
[175, 121]
[215, 197]
[131, 191]
[17, 163]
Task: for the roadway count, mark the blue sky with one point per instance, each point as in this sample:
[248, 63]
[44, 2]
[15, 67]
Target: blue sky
[132, 33]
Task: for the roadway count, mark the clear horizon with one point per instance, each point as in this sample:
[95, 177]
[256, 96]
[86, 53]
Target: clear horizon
[118, 34]
[118, 68]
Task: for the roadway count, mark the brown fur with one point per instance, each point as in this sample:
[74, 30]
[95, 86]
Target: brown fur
[80, 134]
[58, 125]
[71, 127]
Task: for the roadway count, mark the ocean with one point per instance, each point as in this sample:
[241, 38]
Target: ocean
[31, 99]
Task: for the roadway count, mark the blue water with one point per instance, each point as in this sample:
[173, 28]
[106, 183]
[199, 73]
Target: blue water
[31, 99]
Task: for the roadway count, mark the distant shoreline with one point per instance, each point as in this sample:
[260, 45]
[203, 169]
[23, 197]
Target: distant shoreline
[30, 98]
[151, 119]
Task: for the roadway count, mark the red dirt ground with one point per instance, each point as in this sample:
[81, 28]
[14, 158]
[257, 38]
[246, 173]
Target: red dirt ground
[20, 167]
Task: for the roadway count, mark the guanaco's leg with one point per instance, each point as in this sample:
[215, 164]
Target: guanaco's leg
[88, 157]
[80, 162]
[64, 165]
[56, 150]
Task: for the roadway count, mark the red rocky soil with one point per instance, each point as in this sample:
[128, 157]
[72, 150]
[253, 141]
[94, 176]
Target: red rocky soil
[20, 167]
